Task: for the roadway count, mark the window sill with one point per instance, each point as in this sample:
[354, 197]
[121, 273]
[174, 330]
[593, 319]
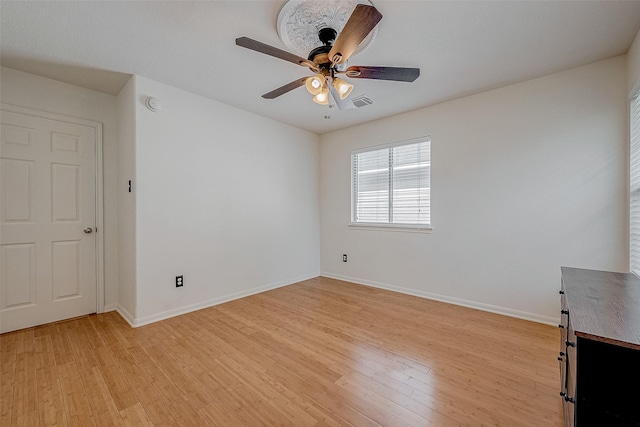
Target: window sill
[403, 228]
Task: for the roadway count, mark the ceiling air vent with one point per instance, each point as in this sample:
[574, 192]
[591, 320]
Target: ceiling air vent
[362, 101]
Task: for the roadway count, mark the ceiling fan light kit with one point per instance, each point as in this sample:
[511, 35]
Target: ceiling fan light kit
[345, 28]
[314, 84]
[323, 97]
[343, 88]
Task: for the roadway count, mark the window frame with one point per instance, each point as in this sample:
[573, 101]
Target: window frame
[387, 226]
[634, 184]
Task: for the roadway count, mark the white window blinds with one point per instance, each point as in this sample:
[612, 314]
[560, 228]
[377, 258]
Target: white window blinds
[391, 185]
[634, 187]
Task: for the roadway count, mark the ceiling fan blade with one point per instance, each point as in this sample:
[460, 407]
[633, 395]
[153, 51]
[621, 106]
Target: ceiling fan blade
[275, 52]
[398, 74]
[343, 104]
[363, 19]
[284, 89]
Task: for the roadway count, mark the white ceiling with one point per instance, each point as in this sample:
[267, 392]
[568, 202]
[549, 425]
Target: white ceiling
[461, 47]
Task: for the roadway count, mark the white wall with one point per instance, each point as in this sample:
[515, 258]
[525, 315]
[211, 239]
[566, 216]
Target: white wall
[633, 66]
[38, 93]
[224, 197]
[525, 179]
[126, 201]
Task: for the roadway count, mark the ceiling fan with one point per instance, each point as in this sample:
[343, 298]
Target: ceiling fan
[328, 61]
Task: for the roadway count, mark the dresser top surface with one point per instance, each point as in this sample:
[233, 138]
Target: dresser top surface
[603, 305]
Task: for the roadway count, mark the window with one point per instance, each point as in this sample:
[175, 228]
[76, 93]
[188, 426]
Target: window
[391, 185]
[634, 187]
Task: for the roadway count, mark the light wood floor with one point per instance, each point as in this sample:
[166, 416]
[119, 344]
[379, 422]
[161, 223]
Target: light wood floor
[321, 352]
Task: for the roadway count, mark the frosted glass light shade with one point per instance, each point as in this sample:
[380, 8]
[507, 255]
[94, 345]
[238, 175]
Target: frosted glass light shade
[343, 88]
[323, 97]
[314, 84]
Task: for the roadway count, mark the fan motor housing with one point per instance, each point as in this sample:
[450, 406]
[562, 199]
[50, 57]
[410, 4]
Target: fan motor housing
[327, 36]
[320, 55]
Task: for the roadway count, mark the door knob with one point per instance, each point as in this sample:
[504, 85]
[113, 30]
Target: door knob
[88, 230]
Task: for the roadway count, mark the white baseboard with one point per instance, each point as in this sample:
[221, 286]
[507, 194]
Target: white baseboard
[141, 321]
[110, 307]
[451, 300]
[126, 315]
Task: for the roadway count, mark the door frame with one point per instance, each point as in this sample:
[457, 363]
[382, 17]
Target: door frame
[99, 220]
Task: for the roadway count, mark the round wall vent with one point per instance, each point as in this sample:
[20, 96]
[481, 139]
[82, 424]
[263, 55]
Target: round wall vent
[153, 104]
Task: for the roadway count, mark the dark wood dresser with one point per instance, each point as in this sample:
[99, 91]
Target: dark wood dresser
[600, 348]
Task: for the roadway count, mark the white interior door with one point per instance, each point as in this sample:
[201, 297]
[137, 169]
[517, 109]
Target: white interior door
[47, 221]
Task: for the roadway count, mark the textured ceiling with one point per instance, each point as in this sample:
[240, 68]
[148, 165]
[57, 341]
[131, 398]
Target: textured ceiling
[461, 48]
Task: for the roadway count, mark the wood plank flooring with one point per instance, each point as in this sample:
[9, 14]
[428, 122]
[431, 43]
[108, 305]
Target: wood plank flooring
[317, 353]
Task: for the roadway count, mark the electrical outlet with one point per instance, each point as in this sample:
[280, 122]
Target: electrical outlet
[179, 281]
[344, 257]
